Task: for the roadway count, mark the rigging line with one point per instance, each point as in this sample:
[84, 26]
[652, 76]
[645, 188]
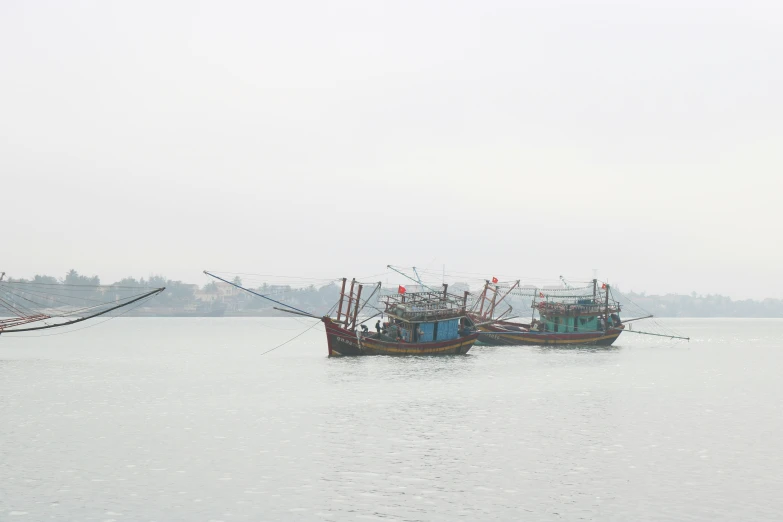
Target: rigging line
[301, 333]
[412, 279]
[10, 307]
[48, 296]
[291, 339]
[273, 275]
[18, 282]
[7, 291]
[375, 275]
[20, 310]
[106, 320]
[149, 294]
[255, 293]
[366, 301]
[371, 317]
[69, 291]
[68, 288]
[656, 323]
[77, 310]
[278, 287]
[102, 303]
[11, 302]
[524, 283]
[481, 275]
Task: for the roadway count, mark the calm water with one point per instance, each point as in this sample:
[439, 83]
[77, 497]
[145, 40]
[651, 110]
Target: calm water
[143, 419]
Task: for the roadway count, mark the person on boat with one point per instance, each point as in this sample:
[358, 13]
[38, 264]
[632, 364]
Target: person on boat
[378, 328]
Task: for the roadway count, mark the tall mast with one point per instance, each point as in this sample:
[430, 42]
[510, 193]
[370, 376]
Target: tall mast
[356, 307]
[533, 306]
[606, 309]
[350, 300]
[342, 297]
[483, 298]
[492, 305]
[508, 292]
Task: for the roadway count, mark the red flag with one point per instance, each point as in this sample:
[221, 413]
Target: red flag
[494, 279]
[541, 295]
[400, 289]
[603, 286]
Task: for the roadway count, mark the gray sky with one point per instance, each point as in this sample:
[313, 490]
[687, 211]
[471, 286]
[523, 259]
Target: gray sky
[329, 139]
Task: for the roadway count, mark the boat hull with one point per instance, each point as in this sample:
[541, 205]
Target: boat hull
[492, 335]
[344, 342]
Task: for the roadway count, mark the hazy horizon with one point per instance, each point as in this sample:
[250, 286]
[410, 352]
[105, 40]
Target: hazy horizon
[514, 139]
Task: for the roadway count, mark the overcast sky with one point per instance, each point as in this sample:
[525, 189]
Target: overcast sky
[529, 139]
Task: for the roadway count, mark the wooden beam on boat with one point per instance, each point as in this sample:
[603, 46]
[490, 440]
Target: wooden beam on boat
[658, 335]
[356, 308]
[636, 319]
[296, 313]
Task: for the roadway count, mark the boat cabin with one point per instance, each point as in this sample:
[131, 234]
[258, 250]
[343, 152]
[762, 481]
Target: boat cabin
[567, 314]
[422, 317]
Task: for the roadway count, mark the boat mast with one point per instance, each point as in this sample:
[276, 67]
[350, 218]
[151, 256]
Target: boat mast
[606, 310]
[533, 306]
[356, 307]
[506, 295]
[342, 297]
[491, 311]
[350, 300]
[483, 298]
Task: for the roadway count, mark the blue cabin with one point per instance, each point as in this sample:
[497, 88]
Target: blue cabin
[424, 317]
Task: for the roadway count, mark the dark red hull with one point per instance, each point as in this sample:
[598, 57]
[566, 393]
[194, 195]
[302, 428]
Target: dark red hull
[345, 342]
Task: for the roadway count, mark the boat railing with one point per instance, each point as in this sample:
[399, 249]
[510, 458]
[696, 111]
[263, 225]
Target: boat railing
[424, 314]
[578, 309]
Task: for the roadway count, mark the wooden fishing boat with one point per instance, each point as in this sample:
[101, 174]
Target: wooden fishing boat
[419, 323]
[571, 316]
[506, 333]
